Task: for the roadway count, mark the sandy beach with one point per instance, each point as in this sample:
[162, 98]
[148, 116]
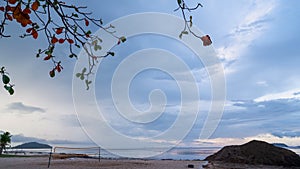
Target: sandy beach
[80, 163]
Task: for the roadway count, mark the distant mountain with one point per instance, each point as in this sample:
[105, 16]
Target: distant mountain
[285, 146]
[256, 152]
[280, 145]
[32, 145]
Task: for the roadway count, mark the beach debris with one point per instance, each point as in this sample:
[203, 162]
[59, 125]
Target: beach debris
[191, 166]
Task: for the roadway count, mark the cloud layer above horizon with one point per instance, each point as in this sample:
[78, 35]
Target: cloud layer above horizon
[256, 41]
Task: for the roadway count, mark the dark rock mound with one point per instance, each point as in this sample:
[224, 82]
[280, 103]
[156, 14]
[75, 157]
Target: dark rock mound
[256, 152]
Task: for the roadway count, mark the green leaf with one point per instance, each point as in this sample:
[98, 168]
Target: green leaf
[179, 2]
[75, 15]
[47, 52]
[82, 77]
[52, 73]
[73, 55]
[180, 36]
[6, 87]
[111, 53]
[95, 42]
[97, 47]
[123, 39]
[100, 40]
[11, 91]
[89, 32]
[37, 26]
[185, 32]
[78, 75]
[75, 29]
[83, 70]
[5, 79]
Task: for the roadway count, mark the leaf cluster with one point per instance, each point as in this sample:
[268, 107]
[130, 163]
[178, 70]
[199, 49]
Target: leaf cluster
[6, 81]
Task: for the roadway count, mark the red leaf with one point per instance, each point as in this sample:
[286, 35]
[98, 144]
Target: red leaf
[29, 30]
[2, 8]
[12, 1]
[61, 40]
[34, 34]
[9, 8]
[59, 31]
[9, 17]
[70, 41]
[48, 57]
[26, 11]
[54, 40]
[35, 5]
[86, 22]
[206, 40]
[58, 68]
[24, 24]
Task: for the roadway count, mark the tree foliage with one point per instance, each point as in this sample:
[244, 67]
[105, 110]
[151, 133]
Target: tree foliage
[62, 23]
[5, 140]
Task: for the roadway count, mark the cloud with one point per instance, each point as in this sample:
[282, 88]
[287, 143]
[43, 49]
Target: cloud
[262, 83]
[70, 120]
[268, 137]
[248, 30]
[290, 94]
[20, 138]
[271, 106]
[22, 108]
[244, 118]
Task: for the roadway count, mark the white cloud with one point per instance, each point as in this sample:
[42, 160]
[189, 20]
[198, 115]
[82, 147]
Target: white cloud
[270, 138]
[262, 83]
[22, 108]
[249, 29]
[290, 94]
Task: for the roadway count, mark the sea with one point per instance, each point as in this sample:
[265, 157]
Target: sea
[177, 153]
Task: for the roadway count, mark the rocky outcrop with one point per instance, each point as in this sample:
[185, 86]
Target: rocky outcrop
[256, 152]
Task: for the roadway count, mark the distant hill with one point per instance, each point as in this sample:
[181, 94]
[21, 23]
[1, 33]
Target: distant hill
[32, 145]
[256, 152]
[280, 145]
[285, 146]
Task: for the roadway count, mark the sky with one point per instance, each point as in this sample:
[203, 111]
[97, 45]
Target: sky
[257, 43]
